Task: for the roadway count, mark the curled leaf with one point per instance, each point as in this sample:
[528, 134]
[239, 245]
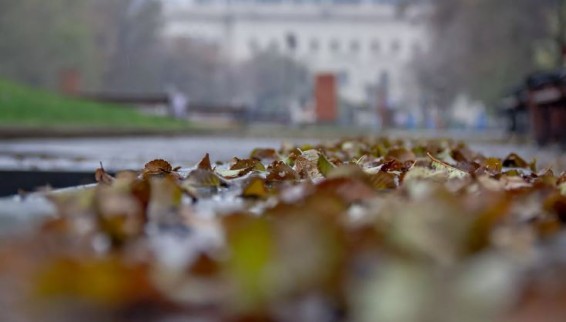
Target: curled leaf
[102, 177]
[233, 174]
[204, 164]
[279, 171]
[158, 167]
[445, 167]
[324, 166]
[204, 179]
[350, 190]
[252, 164]
[515, 161]
[396, 165]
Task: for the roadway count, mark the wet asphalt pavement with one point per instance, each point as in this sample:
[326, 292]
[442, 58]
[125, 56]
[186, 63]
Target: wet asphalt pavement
[83, 156]
[123, 153]
[133, 152]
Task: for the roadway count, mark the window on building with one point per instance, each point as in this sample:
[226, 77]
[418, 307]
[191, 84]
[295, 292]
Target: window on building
[273, 45]
[314, 45]
[384, 79]
[334, 45]
[354, 46]
[374, 46]
[292, 42]
[343, 78]
[396, 46]
[254, 45]
[417, 48]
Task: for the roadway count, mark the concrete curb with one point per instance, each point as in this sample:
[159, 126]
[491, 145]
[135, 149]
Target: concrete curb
[35, 133]
[273, 131]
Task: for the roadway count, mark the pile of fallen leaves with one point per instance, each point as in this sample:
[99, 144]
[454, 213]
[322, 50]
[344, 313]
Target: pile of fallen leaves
[353, 230]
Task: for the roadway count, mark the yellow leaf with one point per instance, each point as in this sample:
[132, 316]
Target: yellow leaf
[324, 166]
[255, 189]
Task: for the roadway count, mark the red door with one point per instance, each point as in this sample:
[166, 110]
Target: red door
[326, 98]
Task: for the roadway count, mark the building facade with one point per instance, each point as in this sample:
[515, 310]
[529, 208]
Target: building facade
[365, 43]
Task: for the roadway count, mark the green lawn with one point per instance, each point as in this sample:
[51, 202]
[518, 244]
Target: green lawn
[21, 106]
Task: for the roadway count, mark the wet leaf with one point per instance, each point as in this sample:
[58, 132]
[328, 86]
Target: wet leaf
[98, 281]
[204, 179]
[452, 232]
[445, 167]
[401, 154]
[233, 174]
[515, 161]
[482, 226]
[141, 190]
[324, 166]
[493, 165]
[255, 188]
[384, 180]
[205, 266]
[279, 171]
[120, 215]
[101, 176]
[350, 190]
[253, 164]
[396, 165]
[307, 169]
[556, 203]
[252, 250]
[166, 196]
[268, 154]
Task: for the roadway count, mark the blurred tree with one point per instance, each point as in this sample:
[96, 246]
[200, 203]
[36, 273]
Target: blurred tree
[199, 70]
[272, 81]
[267, 81]
[481, 47]
[555, 47]
[127, 36]
[40, 38]
[113, 44]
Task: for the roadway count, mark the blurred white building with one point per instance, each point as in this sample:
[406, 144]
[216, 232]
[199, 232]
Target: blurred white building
[364, 42]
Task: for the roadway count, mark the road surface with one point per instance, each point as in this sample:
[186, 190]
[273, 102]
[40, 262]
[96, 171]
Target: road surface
[132, 153]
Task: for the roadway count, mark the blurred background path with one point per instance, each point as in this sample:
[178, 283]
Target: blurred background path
[85, 154]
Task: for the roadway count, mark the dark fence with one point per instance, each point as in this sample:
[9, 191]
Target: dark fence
[15, 181]
[541, 100]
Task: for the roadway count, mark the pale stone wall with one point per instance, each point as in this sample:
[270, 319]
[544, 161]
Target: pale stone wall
[358, 42]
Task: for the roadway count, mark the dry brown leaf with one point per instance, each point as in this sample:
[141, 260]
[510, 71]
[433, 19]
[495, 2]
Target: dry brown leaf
[158, 166]
[204, 164]
[269, 154]
[102, 177]
[279, 171]
[253, 164]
